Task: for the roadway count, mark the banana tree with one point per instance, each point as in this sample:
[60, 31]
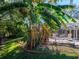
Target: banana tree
[36, 13]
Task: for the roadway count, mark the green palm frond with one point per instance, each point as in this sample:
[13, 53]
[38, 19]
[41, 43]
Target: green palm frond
[52, 21]
[69, 17]
[56, 8]
[50, 24]
[58, 14]
[66, 6]
[50, 17]
[62, 21]
[42, 5]
[51, 14]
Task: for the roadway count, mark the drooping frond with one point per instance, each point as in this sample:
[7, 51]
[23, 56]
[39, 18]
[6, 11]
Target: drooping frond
[58, 15]
[66, 6]
[51, 14]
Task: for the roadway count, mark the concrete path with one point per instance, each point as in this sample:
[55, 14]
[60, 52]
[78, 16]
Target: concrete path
[63, 40]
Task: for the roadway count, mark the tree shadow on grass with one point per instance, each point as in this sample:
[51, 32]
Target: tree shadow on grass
[20, 54]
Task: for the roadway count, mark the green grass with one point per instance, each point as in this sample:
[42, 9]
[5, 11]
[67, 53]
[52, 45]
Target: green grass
[11, 50]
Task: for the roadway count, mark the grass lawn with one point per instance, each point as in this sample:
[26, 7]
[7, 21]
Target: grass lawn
[10, 50]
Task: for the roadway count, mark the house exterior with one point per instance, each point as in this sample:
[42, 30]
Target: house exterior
[72, 30]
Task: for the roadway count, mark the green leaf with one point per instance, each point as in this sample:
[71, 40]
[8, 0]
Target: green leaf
[70, 18]
[10, 6]
[66, 6]
[49, 6]
[51, 17]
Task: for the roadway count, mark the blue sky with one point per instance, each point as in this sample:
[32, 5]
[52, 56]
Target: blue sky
[65, 2]
[76, 2]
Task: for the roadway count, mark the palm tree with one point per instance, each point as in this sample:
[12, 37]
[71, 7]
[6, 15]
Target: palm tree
[37, 13]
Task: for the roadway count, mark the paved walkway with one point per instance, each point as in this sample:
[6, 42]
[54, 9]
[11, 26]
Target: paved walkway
[63, 40]
[64, 49]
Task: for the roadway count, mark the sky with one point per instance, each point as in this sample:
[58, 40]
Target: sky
[65, 2]
[76, 2]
